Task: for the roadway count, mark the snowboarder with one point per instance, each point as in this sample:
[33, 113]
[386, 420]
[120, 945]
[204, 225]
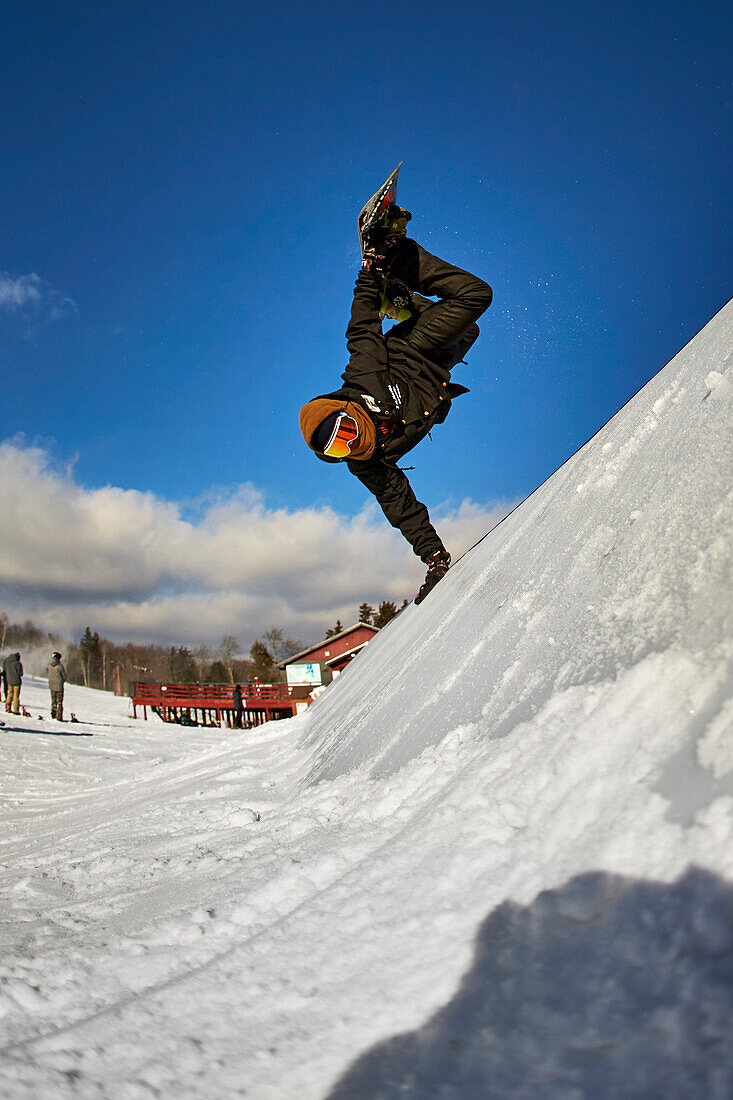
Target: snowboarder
[56, 679]
[397, 384]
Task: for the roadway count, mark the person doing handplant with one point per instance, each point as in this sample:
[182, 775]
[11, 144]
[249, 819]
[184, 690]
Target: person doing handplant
[397, 384]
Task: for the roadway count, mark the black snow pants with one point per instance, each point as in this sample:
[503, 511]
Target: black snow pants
[417, 356]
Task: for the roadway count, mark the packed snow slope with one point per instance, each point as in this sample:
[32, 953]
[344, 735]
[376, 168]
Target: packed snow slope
[494, 860]
[620, 562]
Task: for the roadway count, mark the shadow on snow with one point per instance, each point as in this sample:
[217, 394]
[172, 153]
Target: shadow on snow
[45, 733]
[607, 988]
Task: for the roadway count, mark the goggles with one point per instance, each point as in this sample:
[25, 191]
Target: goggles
[345, 433]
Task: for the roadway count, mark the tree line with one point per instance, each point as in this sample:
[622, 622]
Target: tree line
[378, 617]
[97, 662]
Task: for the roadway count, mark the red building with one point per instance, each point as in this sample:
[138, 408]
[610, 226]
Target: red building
[213, 704]
[318, 664]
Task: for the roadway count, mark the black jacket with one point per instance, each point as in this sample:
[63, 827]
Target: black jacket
[402, 378]
[13, 670]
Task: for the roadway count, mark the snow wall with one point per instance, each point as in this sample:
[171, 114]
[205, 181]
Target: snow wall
[550, 737]
[617, 570]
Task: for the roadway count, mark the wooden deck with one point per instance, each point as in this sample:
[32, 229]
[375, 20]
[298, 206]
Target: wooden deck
[213, 704]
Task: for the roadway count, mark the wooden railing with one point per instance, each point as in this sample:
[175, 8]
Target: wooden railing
[208, 693]
[209, 704]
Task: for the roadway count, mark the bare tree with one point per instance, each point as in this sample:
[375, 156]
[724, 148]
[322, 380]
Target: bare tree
[202, 657]
[228, 649]
[280, 646]
[91, 656]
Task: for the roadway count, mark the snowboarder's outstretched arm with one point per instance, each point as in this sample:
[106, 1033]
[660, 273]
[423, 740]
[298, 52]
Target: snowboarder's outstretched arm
[399, 504]
[364, 338]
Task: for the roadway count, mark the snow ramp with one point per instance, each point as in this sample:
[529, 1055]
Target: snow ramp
[612, 581]
[548, 741]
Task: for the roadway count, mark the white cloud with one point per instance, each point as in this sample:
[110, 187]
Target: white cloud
[129, 563]
[20, 292]
[32, 299]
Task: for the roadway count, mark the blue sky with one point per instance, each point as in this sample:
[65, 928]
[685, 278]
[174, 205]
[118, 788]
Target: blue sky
[178, 206]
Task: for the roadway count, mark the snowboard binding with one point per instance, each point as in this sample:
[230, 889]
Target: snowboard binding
[381, 224]
[380, 241]
[386, 232]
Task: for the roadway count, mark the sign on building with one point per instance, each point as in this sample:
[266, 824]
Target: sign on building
[303, 674]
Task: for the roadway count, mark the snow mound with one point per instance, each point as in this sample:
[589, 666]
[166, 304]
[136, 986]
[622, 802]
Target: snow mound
[619, 562]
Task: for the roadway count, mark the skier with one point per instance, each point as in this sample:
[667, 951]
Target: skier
[397, 384]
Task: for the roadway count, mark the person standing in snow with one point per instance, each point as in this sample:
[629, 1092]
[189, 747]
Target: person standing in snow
[238, 707]
[13, 672]
[56, 679]
[397, 385]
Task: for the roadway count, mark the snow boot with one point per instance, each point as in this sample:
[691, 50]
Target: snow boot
[382, 242]
[438, 563]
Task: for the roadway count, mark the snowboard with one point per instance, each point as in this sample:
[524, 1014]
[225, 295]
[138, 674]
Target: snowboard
[373, 212]
[396, 303]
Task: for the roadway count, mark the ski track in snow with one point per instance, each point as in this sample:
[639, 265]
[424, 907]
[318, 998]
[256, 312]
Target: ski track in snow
[471, 873]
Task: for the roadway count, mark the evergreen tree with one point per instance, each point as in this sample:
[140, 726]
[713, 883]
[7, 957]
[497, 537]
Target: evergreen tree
[334, 629]
[386, 611]
[216, 674]
[366, 614]
[263, 661]
[181, 666]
